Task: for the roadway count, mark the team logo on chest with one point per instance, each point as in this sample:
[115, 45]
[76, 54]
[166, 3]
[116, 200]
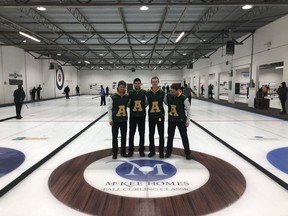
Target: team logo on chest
[137, 106]
[121, 111]
[173, 111]
[155, 107]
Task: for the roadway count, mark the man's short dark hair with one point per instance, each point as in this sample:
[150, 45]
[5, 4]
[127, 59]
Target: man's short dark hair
[137, 80]
[122, 82]
[155, 77]
[175, 86]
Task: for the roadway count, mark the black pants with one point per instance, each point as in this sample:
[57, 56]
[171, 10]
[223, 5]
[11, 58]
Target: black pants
[283, 102]
[189, 98]
[123, 130]
[18, 109]
[160, 127]
[183, 132]
[134, 121]
[67, 95]
[103, 100]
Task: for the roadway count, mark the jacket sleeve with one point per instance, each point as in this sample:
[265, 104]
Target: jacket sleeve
[188, 110]
[110, 107]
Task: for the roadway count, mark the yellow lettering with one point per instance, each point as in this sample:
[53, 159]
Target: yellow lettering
[137, 106]
[173, 111]
[121, 111]
[155, 107]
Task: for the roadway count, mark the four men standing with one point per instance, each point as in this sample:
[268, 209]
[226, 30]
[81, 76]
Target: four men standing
[178, 106]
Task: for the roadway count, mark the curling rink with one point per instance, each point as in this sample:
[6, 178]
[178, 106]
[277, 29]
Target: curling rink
[57, 161]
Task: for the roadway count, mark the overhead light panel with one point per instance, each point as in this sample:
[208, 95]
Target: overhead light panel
[144, 8]
[279, 67]
[101, 68]
[247, 7]
[180, 36]
[29, 36]
[58, 54]
[41, 8]
[160, 61]
[87, 62]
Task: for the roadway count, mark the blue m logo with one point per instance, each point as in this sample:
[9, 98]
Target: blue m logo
[145, 170]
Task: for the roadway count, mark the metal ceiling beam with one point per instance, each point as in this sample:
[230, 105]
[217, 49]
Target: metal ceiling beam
[82, 19]
[137, 4]
[44, 21]
[164, 16]
[127, 33]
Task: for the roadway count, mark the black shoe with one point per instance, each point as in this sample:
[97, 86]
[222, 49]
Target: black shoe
[142, 154]
[124, 155]
[167, 155]
[18, 117]
[130, 154]
[161, 155]
[188, 157]
[151, 154]
[114, 156]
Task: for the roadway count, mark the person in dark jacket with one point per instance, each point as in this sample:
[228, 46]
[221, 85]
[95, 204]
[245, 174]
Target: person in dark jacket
[117, 115]
[102, 94]
[19, 96]
[178, 106]
[137, 116]
[67, 90]
[188, 92]
[155, 97]
[282, 92]
[33, 92]
[38, 92]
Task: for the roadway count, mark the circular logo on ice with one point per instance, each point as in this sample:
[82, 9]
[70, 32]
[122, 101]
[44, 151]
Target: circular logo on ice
[146, 170]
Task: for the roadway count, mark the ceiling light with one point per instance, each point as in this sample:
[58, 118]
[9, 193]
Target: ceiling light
[202, 40]
[279, 67]
[28, 36]
[101, 68]
[160, 61]
[41, 8]
[79, 62]
[24, 41]
[144, 8]
[58, 54]
[180, 36]
[155, 68]
[142, 54]
[184, 54]
[83, 41]
[247, 7]
[87, 62]
[101, 54]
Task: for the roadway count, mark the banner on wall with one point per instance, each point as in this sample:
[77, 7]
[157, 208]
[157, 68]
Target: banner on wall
[15, 79]
[59, 77]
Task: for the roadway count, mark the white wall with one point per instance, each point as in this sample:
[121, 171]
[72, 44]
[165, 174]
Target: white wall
[106, 78]
[34, 72]
[270, 45]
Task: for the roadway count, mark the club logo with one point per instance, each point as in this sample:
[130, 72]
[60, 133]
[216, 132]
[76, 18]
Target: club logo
[145, 170]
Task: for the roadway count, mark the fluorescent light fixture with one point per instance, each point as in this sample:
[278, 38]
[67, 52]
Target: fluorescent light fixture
[28, 36]
[58, 54]
[24, 41]
[101, 68]
[180, 36]
[79, 62]
[101, 54]
[143, 40]
[202, 40]
[279, 67]
[184, 54]
[155, 68]
[87, 62]
[41, 8]
[83, 41]
[142, 54]
[160, 61]
[144, 8]
[247, 7]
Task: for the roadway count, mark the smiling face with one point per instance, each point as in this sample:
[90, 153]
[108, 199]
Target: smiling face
[121, 89]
